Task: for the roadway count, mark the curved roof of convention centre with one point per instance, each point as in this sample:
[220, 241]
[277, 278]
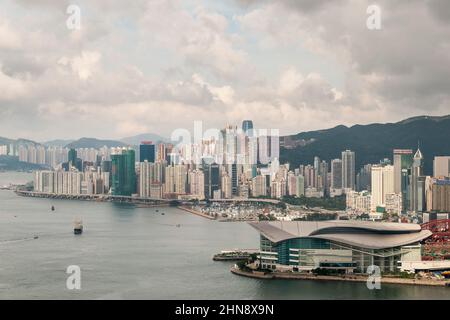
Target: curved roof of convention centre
[366, 234]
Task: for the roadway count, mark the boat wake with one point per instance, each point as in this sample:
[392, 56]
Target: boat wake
[18, 240]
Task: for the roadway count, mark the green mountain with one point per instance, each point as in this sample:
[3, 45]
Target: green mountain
[371, 143]
[95, 143]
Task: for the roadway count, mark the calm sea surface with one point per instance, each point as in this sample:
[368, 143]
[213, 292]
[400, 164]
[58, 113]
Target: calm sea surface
[128, 252]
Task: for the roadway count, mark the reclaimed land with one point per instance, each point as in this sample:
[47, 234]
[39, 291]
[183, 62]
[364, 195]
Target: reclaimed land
[198, 213]
[350, 278]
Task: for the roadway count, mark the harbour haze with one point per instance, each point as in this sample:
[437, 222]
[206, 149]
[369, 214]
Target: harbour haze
[131, 252]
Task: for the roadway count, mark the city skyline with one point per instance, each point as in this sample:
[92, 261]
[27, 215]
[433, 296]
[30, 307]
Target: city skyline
[131, 67]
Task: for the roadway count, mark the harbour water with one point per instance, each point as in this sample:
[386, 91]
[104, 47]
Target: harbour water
[130, 252]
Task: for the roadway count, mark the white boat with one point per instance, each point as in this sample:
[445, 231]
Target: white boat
[78, 226]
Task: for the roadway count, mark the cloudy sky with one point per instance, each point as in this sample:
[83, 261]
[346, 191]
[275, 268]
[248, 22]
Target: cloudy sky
[157, 65]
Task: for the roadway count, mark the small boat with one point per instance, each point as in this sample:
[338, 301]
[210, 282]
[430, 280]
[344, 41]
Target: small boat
[178, 225]
[162, 213]
[157, 210]
[35, 237]
[53, 208]
[78, 227]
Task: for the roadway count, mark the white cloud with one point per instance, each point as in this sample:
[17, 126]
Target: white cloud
[11, 88]
[159, 65]
[83, 65]
[9, 39]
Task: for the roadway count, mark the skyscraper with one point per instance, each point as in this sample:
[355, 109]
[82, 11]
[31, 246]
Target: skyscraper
[348, 170]
[336, 174]
[441, 167]
[123, 173]
[403, 159]
[72, 157]
[363, 178]
[417, 202]
[147, 151]
[161, 152]
[247, 127]
[382, 182]
[212, 178]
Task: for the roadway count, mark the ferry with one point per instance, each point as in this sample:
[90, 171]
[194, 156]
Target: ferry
[234, 255]
[78, 227]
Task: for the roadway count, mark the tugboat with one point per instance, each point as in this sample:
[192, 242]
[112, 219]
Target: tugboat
[78, 227]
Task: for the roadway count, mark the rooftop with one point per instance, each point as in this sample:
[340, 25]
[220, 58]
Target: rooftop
[372, 235]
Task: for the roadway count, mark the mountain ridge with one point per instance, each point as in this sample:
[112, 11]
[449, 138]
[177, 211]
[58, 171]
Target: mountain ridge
[371, 142]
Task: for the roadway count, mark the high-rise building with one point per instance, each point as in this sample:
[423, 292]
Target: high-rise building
[382, 184]
[176, 179]
[322, 182]
[161, 154]
[72, 157]
[147, 151]
[106, 167]
[438, 195]
[441, 167]
[310, 176]
[336, 174]
[234, 179]
[259, 186]
[145, 178]
[247, 127]
[268, 148]
[348, 170]
[212, 179]
[197, 184]
[403, 159]
[225, 186]
[417, 180]
[363, 178]
[123, 173]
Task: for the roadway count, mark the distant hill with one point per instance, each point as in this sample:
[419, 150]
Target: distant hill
[5, 141]
[136, 140]
[57, 143]
[12, 163]
[95, 143]
[371, 143]
[20, 141]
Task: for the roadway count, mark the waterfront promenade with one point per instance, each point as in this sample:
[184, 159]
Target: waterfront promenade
[96, 197]
[348, 278]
